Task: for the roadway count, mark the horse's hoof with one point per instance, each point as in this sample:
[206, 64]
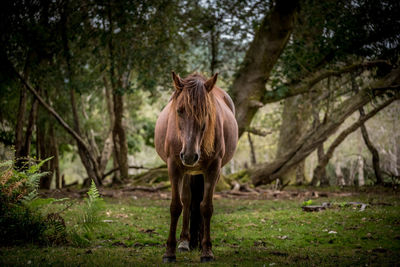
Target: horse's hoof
[169, 259]
[184, 246]
[206, 259]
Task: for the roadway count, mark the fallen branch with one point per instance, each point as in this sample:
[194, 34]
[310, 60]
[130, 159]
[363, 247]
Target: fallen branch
[146, 188]
[327, 205]
[130, 167]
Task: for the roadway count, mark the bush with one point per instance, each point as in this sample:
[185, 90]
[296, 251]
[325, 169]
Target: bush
[20, 218]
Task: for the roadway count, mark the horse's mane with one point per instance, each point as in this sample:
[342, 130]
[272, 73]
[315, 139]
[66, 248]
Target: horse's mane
[198, 104]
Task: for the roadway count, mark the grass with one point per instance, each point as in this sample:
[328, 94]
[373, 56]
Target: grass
[244, 233]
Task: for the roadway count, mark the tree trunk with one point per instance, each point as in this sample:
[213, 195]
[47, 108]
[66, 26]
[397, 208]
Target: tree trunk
[26, 148]
[214, 50]
[44, 153]
[319, 174]
[361, 180]
[72, 132]
[120, 135]
[252, 151]
[295, 116]
[339, 175]
[248, 88]
[55, 163]
[118, 81]
[268, 172]
[373, 150]
[19, 127]
[83, 152]
[88, 158]
[115, 149]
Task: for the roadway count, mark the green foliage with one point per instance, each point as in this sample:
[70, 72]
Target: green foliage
[20, 185]
[308, 202]
[94, 204]
[89, 218]
[20, 218]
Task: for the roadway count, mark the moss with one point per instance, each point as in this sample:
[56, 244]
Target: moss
[222, 184]
[241, 176]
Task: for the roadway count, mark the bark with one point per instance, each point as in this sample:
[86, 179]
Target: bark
[339, 175]
[90, 134]
[296, 113]
[118, 81]
[319, 174]
[361, 180]
[214, 50]
[374, 152]
[55, 164]
[19, 127]
[268, 172]
[44, 153]
[26, 148]
[372, 149]
[264, 51]
[110, 109]
[252, 152]
[120, 136]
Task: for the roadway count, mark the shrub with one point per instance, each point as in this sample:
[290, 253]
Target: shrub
[20, 218]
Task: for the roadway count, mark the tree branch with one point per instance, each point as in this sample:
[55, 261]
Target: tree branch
[74, 134]
[305, 85]
[259, 132]
[267, 172]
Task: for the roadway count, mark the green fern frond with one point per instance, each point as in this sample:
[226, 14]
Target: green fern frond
[90, 216]
[36, 167]
[93, 193]
[7, 163]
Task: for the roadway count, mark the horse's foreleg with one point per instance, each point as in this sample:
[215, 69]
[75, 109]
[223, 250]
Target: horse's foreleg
[186, 199]
[175, 211]
[206, 208]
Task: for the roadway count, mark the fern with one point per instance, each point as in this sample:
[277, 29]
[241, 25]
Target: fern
[21, 219]
[94, 204]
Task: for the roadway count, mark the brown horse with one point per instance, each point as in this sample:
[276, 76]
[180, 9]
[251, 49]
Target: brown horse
[196, 134]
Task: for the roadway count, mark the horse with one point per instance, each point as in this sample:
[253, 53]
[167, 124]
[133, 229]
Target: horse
[195, 134]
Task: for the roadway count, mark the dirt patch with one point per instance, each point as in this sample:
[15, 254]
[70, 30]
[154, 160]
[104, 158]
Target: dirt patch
[264, 194]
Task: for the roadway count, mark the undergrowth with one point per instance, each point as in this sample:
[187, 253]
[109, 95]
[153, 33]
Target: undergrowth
[23, 215]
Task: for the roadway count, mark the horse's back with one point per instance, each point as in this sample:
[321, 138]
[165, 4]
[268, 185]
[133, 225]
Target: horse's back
[225, 97]
[229, 124]
[160, 133]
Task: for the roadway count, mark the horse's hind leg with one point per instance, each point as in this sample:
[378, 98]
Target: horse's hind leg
[175, 210]
[186, 199]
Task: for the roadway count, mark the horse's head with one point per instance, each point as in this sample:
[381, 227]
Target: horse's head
[195, 113]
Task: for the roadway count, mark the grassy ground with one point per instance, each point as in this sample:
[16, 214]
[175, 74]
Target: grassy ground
[245, 232]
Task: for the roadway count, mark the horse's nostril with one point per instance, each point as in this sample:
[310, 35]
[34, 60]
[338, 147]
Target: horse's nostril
[181, 155]
[196, 157]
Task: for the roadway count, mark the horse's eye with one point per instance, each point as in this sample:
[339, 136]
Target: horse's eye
[180, 111]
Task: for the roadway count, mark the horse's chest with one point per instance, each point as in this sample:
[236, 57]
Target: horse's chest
[194, 172]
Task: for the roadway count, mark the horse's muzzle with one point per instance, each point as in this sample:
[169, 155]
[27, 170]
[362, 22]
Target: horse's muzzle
[189, 159]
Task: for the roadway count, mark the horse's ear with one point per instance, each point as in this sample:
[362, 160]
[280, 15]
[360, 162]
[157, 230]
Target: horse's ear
[209, 84]
[178, 83]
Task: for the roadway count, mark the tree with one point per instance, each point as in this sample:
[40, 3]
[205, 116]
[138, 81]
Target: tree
[268, 172]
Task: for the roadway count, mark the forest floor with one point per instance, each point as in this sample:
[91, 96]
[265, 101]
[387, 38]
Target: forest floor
[268, 229]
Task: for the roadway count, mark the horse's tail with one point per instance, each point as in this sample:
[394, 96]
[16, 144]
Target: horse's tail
[196, 221]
